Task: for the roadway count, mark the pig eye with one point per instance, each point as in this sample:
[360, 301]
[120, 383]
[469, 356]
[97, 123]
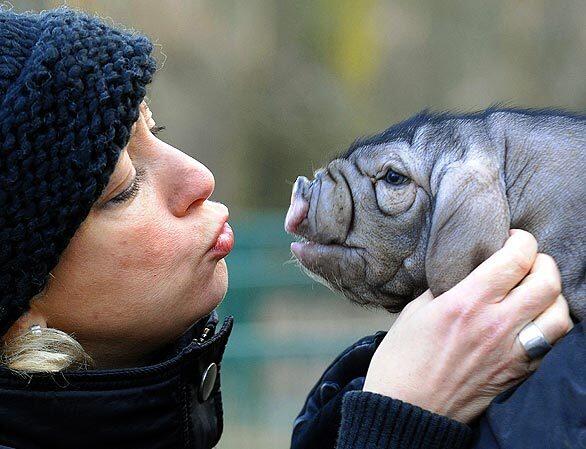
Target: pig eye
[396, 179]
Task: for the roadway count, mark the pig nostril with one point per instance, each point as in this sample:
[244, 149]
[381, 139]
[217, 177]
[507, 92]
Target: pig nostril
[299, 187]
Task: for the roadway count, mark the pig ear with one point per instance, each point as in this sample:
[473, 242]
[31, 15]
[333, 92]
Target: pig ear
[470, 222]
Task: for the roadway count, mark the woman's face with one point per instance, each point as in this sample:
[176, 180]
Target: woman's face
[142, 268]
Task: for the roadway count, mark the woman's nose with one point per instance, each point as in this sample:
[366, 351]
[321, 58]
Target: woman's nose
[190, 184]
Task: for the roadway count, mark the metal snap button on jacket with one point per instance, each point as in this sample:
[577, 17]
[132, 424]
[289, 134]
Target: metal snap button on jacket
[208, 380]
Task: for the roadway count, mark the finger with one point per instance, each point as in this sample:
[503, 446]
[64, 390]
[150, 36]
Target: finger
[545, 265]
[554, 323]
[496, 276]
[533, 364]
[537, 291]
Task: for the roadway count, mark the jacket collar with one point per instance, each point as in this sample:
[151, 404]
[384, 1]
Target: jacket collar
[175, 402]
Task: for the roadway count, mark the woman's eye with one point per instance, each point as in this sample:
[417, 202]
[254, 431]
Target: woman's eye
[396, 179]
[132, 190]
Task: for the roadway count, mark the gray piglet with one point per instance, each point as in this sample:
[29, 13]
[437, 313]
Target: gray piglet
[426, 201]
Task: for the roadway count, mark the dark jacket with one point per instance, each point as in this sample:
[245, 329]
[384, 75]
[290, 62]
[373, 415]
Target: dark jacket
[547, 411]
[173, 403]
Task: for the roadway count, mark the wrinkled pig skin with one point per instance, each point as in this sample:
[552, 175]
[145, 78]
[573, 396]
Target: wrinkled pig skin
[426, 201]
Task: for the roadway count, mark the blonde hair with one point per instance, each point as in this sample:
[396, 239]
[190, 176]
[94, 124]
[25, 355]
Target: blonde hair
[44, 350]
[47, 351]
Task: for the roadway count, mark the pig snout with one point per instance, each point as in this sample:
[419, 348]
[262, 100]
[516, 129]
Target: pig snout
[299, 205]
[320, 210]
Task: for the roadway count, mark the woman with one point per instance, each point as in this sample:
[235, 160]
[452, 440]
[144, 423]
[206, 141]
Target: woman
[112, 263]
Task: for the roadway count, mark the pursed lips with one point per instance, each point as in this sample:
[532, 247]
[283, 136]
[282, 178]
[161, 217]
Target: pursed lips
[221, 230]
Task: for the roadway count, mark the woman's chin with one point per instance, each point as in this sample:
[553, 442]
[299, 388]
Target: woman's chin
[219, 286]
[221, 274]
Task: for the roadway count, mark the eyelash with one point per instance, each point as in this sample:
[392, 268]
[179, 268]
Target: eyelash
[138, 179]
[156, 129]
[133, 189]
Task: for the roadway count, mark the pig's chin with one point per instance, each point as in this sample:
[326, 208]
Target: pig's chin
[343, 269]
[332, 264]
[329, 261]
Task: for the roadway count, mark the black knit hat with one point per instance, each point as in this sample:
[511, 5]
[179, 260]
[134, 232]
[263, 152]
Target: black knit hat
[70, 90]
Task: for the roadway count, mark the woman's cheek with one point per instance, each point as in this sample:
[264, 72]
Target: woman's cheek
[146, 247]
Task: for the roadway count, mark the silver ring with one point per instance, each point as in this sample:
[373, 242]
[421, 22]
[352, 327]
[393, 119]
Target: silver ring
[533, 340]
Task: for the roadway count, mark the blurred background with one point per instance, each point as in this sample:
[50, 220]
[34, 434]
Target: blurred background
[264, 90]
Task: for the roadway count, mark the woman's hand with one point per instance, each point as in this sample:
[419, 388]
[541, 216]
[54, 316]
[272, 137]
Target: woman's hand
[453, 354]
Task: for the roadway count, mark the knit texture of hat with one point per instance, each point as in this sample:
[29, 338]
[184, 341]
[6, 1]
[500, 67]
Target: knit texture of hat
[70, 90]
